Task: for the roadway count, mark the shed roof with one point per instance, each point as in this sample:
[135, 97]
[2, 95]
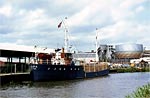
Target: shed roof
[13, 50]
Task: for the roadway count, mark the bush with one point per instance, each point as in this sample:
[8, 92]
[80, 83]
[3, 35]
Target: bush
[141, 92]
[132, 69]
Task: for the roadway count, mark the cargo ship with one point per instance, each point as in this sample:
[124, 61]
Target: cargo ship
[62, 66]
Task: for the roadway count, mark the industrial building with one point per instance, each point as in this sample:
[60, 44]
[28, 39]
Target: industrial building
[106, 52]
[123, 53]
[85, 56]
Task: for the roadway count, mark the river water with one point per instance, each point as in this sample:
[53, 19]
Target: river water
[111, 86]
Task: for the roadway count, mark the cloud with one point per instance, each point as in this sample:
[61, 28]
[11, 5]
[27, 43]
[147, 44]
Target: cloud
[131, 3]
[139, 9]
[27, 22]
[6, 10]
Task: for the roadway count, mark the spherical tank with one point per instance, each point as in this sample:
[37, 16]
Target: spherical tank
[129, 50]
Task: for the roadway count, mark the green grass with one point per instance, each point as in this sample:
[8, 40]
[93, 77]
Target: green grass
[141, 92]
[132, 69]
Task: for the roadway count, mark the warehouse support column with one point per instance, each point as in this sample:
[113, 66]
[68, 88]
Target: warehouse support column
[15, 69]
[29, 61]
[25, 61]
[11, 64]
[7, 65]
[20, 63]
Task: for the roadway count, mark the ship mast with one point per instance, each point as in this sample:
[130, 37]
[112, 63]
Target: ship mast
[96, 55]
[66, 36]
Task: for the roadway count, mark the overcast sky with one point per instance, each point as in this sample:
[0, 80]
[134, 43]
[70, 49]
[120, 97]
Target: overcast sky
[34, 22]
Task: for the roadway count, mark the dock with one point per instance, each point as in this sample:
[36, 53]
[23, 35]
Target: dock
[16, 67]
[14, 77]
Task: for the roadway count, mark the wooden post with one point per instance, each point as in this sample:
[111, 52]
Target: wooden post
[89, 67]
[94, 67]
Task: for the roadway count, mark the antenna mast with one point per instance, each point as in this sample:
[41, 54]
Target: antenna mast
[96, 56]
[66, 36]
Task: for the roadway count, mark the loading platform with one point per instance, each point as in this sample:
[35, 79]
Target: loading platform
[14, 77]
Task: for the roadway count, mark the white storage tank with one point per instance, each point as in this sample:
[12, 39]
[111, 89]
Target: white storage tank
[129, 51]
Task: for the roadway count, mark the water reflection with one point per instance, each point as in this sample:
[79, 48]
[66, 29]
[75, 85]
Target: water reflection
[112, 86]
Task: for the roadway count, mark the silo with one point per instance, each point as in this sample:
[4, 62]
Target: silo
[129, 51]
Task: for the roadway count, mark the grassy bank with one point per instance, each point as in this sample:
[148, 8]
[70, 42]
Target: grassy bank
[141, 92]
[132, 69]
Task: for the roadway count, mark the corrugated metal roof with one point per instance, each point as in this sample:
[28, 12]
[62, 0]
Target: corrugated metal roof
[24, 48]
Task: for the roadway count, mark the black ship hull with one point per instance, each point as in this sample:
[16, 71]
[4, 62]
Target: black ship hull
[43, 72]
[97, 74]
